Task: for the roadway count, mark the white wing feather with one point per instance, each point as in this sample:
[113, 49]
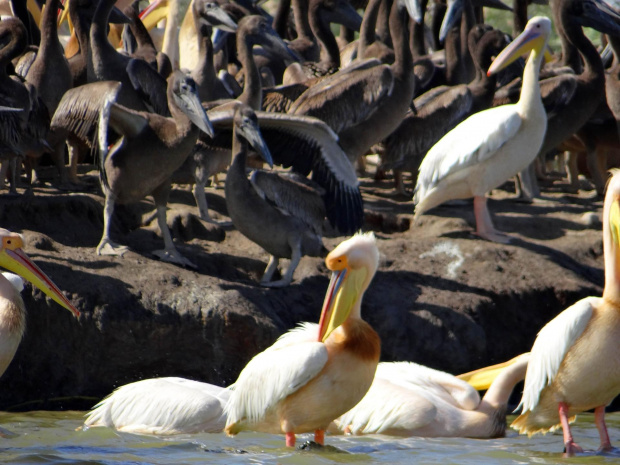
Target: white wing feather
[162, 406]
[551, 345]
[476, 139]
[275, 373]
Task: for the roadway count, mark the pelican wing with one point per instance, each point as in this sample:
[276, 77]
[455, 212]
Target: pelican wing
[274, 374]
[150, 85]
[79, 108]
[441, 384]
[280, 99]
[346, 99]
[552, 343]
[162, 406]
[308, 145]
[476, 139]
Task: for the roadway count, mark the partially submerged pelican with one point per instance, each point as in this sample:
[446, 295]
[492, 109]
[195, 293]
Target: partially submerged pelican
[574, 365]
[407, 399]
[491, 146]
[314, 373]
[12, 309]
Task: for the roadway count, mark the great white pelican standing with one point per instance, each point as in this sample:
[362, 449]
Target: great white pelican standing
[314, 373]
[493, 145]
[575, 362]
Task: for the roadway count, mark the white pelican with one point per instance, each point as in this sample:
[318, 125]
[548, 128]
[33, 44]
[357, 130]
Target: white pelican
[12, 309]
[162, 406]
[490, 146]
[407, 399]
[313, 374]
[575, 363]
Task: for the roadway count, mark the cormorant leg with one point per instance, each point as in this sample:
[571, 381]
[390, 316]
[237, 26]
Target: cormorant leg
[290, 439]
[599, 421]
[106, 246]
[288, 276]
[169, 253]
[569, 445]
[484, 224]
[319, 437]
[272, 266]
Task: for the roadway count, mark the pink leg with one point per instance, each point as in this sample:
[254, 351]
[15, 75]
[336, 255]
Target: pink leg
[569, 444]
[599, 421]
[484, 224]
[319, 437]
[290, 439]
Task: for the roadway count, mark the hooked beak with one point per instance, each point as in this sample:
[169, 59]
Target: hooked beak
[251, 133]
[13, 258]
[218, 18]
[194, 111]
[528, 40]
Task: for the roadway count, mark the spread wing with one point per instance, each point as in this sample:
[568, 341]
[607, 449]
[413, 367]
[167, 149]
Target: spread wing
[293, 195]
[150, 85]
[346, 98]
[552, 343]
[162, 406]
[476, 139]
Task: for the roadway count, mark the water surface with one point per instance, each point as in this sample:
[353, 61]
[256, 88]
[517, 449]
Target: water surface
[56, 437]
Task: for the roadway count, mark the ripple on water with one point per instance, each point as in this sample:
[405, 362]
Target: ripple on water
[51, 437]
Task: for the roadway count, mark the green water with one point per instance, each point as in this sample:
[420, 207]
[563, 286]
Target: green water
[51, 437]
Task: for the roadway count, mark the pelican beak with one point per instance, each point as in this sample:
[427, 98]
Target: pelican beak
[118, 17]
[154, 13]
[497, 4]
[482, 378]
[272, 43]
[414, 8]
[13, 258]
[217, 17]
[603, 17]
[529, 39]
[344, 290]
[345, 14]
[614, 221]
[251, 133]
[195, 112]
[34, 10]
[453, 14]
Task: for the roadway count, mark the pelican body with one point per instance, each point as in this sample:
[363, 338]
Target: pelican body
[312, 375]
[575, 365]
[407, 399]
[493, 145]
[12, 309]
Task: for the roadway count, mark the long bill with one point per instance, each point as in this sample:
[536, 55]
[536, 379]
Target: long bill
[529, 39]
[13, 258]
[343, 292]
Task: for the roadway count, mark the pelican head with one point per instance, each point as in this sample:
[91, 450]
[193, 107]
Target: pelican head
[353, 264]
[342, 12]
[597, 14]
[258, 30]
[214, 15]
[533, 38]
[246, 125]
[455, 10]
[186, 96]
[13, 258]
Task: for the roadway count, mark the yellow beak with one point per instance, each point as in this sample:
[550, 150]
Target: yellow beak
[528, 40]
[154, 13]
[482, 378]
[13, 258]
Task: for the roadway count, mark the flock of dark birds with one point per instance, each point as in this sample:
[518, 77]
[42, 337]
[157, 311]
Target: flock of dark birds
[448, 99]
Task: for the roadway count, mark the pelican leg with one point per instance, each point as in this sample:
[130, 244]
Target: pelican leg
[599, 421]
[319, 437]
[201, 201]
[572, 170]
[529, 185]
[169, 253]
[290, 439]
[106, 246]
[73, 160]
[570, 447]
[272, 266]
[484, 223]
[288, 276]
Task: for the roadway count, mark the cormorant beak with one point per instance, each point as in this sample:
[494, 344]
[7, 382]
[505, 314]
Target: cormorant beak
[13, 258]
[528, 40]
[344, 290]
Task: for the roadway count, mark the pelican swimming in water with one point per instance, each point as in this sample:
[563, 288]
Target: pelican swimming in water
[12, 309]
[407, 399]
[314, 373]
[574, 365]
[489, 147]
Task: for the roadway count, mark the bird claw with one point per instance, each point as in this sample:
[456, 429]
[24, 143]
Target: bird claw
[495, 237]
[107, 247]
[571, 448]
[173, 256]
